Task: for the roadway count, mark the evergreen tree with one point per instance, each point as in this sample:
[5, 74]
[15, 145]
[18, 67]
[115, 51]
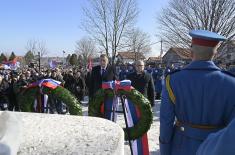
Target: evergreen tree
[68, 58]
[28, 57]
[12, 57]
[80, 61]
[2, 58]
[73, 60]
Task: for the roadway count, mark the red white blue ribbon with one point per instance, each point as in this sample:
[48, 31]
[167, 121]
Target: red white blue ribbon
[110, 105]
[118, 85]
[40, 102]
[49, 83]
[140, 145]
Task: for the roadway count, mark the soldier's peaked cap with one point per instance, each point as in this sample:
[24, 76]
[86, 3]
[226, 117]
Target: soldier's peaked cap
[205, 38]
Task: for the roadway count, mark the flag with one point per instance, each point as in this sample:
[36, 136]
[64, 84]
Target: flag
[13, 65]
[49, 83]
[89, 63]
[53, 64]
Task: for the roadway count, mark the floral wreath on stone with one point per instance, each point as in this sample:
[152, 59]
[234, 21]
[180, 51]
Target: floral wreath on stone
[139, 101]
[48, 86]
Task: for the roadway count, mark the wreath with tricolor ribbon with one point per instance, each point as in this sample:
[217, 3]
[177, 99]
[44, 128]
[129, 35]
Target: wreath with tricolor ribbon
[96, 106]
[48, 86]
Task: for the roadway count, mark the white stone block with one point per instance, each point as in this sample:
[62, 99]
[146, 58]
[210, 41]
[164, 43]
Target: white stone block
[47, 134]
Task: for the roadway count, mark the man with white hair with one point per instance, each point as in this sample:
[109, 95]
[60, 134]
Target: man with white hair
[143, 81]
[196, 101]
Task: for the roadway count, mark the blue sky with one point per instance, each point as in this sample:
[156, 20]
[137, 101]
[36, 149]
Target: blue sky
[56, 22]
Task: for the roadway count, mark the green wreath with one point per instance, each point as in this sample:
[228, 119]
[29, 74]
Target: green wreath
[27, 97]
[137, 99]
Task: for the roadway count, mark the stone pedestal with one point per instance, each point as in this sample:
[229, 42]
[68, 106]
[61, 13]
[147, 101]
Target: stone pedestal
[46, 134]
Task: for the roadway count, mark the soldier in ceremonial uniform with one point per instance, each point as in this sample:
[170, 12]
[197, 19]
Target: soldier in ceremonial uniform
[219, 143]
[197, 100]
[123, 73]
[149, 69]
[157, 77]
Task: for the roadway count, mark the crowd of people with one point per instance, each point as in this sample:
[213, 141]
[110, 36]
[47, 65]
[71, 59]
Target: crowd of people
[76, 80]
[12, 83]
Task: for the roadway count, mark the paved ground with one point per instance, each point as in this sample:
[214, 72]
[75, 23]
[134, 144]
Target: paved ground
[153, 133]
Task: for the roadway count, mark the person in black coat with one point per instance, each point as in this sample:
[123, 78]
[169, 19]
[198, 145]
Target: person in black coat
[79, 85]
[99, 74]
[4, 94]
[69, 81]
[142, 81]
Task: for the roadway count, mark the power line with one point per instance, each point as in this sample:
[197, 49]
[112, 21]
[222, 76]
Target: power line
[161, 41]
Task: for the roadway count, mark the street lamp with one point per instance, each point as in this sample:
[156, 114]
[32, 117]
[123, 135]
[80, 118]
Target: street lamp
[39, 61]
[63, 58]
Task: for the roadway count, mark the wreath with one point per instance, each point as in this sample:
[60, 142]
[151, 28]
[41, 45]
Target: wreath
[143, 104]
[27, 97]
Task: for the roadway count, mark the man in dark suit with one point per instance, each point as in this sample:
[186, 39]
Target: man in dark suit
[143, 82]
[101, 73]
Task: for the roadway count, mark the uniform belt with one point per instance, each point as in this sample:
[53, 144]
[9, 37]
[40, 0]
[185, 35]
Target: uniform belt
[196, 126]
[197, 132]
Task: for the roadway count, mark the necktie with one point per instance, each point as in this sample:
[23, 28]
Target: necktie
[103, 71]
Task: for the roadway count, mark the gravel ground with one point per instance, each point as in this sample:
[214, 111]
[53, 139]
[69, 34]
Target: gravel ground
[153, 133]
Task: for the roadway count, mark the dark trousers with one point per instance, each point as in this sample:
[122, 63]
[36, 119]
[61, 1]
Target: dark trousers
[13, 104]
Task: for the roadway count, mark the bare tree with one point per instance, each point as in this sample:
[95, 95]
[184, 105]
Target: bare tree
[41, 48]
[85, 47]
[107, 21]
[183, 15]
[32, 46]
[36, 46]
[138, 42]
